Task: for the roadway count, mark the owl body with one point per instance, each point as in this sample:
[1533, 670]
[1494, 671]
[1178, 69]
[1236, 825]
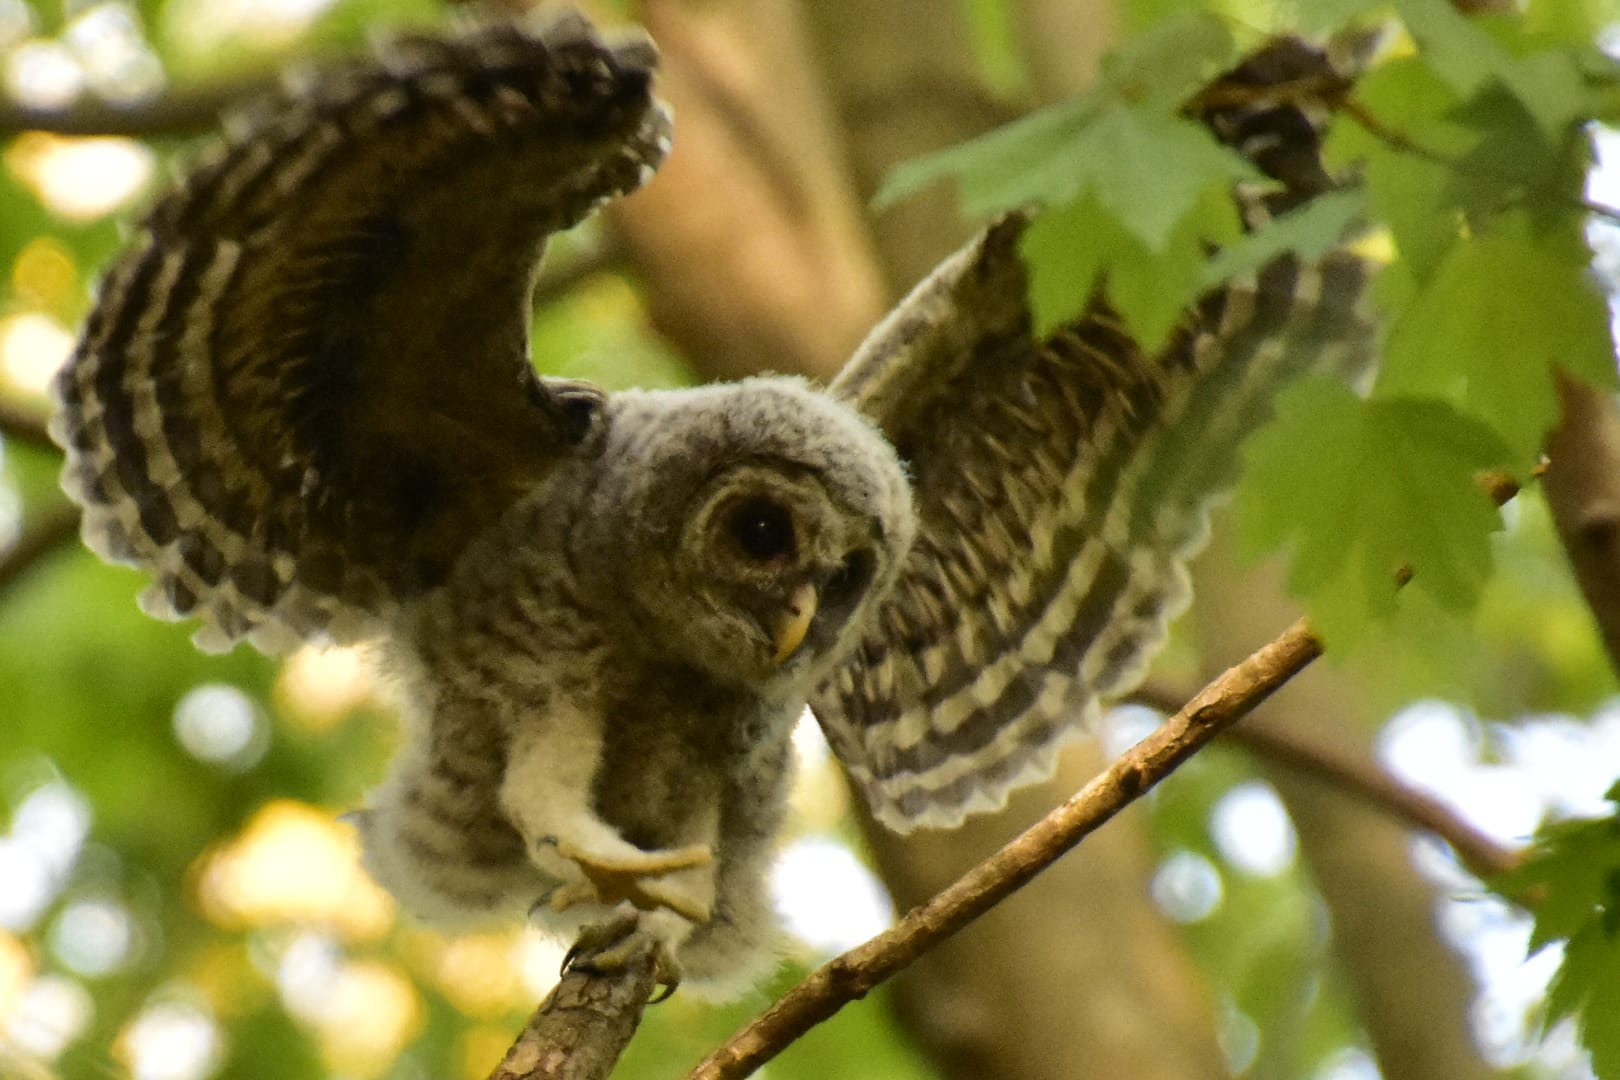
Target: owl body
[304, 404]
[602, 675]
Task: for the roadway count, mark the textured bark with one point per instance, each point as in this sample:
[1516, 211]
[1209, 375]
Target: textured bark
[1412, 991]
[1583, 491]
[586, 1021]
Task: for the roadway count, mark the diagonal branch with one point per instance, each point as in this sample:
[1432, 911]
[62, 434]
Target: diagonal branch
[1483, 857]
[1359, 776]
[856, 972]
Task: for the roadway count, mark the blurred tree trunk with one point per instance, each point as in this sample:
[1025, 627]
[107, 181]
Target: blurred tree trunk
[1412, 991]
[753, 250]
[1078, 975]
[789, 116]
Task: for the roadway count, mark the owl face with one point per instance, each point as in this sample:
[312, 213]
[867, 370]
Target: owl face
[759, 523]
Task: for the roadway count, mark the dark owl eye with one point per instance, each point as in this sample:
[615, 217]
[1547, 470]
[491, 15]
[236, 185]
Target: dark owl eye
[762, 529]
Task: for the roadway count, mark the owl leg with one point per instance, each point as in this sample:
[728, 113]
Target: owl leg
[546, 793]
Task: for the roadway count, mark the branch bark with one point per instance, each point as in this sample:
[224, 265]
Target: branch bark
[586, 1021]
[856, 972]
[1583, 491]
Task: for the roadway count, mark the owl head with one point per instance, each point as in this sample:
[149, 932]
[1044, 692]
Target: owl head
[753, 524]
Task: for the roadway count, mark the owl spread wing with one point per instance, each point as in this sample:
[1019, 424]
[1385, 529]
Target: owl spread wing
[308, 385]
[1060, 487]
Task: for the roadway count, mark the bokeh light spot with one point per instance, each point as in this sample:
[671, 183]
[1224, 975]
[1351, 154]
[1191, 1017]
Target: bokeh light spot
[49, 1014]
[827, 897]
[1252, 830]
[293, 863]
[43, 74]
[221, 725]
[319, 687]
[81, 178]
[44, 274]
[33, 348]
[16, 969]
[1187, 887]
[93, 937]
[173, 1040]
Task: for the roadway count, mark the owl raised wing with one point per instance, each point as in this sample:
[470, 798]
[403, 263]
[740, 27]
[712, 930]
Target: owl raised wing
[286, 404]
[1061, 484]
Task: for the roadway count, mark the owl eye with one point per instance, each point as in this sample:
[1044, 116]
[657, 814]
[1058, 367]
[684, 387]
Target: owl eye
[762, 529]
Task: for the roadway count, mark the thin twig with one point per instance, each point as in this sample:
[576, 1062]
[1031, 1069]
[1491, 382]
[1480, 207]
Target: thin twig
[53, 529]
[856, 972]
[1403, 143]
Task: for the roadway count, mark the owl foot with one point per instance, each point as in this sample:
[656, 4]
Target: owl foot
[639, 877]
[610, 947]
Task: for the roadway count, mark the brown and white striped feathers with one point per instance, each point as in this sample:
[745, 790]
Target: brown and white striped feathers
[304, 403]
[307, 384]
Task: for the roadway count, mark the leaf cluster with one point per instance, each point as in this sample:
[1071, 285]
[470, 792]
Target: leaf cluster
[1464, 154]
[1571, 880]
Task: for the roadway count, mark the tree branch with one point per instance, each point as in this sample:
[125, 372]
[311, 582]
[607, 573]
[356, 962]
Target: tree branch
[53, 529]
[856, 972]
[1583, 492]
[1361, 777]
[26, 426]
[586, 1021]
[190, 111]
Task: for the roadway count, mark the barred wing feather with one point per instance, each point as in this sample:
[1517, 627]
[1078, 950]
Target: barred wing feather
[307, 385]
[1061, 486]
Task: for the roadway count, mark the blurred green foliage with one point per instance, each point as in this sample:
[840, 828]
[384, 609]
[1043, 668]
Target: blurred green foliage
[89, 687]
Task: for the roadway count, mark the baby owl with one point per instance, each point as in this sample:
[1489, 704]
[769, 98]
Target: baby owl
[304, 403]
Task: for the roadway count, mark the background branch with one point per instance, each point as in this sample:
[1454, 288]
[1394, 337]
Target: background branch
[856, 972]
[53, 529]
[1357, 775]
[1360, 776]
[26, 426]
[189, 111]
[1582, 483]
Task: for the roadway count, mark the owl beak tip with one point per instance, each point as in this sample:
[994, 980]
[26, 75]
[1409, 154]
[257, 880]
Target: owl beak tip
[794, 623]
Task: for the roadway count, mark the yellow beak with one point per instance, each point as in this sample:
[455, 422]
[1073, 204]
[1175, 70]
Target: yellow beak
[795, 622]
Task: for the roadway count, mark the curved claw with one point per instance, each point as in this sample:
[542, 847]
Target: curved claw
[611, 947]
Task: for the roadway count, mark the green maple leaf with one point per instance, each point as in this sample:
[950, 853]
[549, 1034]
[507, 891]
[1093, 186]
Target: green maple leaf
[1360, 489]
[1486, 329]
[1571, 882]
